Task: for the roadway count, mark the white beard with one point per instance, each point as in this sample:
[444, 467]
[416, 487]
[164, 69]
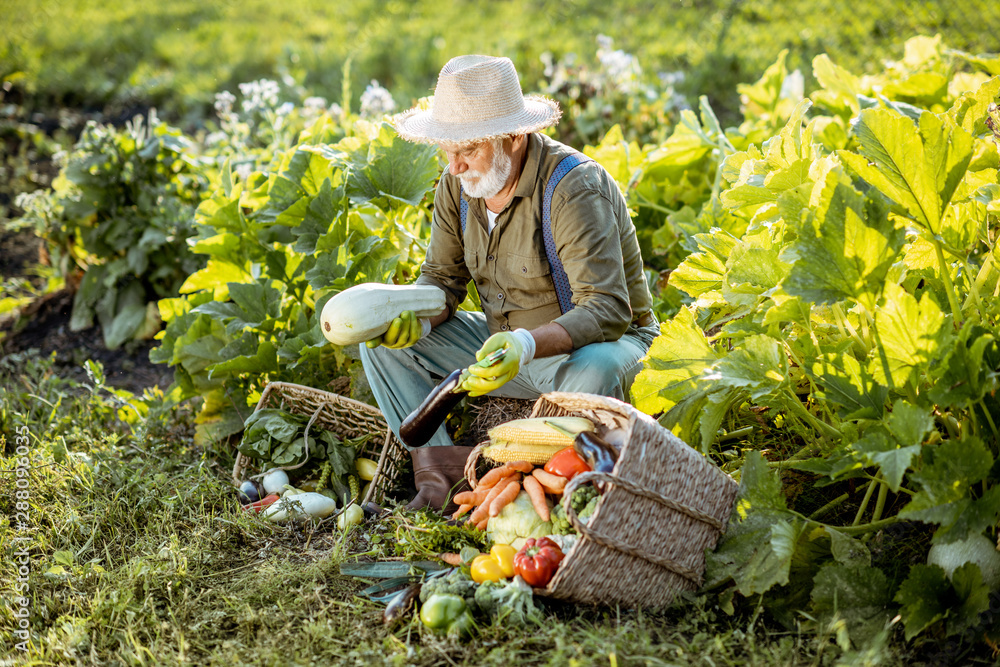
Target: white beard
[489, 184]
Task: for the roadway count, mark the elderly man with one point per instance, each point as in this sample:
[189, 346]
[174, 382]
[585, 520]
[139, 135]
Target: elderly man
[545, 236]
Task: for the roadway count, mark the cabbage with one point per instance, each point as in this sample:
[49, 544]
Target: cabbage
[517, 522]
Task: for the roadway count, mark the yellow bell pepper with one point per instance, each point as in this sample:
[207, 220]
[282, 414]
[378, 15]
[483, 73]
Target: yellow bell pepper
[504, 555]
[496, 565]
[484, 569]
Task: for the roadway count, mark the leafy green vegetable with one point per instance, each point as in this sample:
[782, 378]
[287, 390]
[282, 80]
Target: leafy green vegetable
[511, 602]
[516, 522]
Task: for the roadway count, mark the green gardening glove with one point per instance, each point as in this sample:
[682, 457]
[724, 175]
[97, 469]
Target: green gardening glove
[520, 347]
[404, 331]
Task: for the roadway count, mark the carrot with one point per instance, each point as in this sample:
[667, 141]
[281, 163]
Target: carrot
[452, 559]
[464, 498]
[553, 484]
[483, 511]
[482, 524]
[479, 494]
[504, 498]
[537, 495]
[462, 509]
[521, 466]
[494, 476]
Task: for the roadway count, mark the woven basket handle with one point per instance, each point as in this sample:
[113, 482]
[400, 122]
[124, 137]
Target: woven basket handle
[624, 547]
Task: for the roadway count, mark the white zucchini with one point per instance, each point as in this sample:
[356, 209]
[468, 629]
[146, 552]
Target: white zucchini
[365, 311]
[308, 503]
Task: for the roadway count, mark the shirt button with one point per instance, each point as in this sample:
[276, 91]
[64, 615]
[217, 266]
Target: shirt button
[524, 269]
[490, 257]
[500, 295]
[503, 327]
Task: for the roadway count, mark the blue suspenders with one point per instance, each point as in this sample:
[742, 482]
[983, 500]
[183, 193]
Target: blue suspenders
[559, 279]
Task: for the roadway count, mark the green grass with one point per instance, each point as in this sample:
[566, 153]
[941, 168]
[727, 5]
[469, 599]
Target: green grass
[140, 555]
[177, 54]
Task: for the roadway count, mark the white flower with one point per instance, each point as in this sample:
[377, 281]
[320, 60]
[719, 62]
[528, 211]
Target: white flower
[259, 95]
[285, 109]
[243, 171]
[621, 69]
[376, 101]
[314, 105]
[224, 103]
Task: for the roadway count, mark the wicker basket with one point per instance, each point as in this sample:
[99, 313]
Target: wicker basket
[345, 417]
[663, 506]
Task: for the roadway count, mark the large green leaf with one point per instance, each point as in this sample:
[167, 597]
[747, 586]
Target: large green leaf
[908, 423]
[129, 315]
[677, 357]
[758, 366]
[880, 450]
[846, 383]
[969, 370]
[298, 178]
[216, 275]
[704, 271]
[918, 167]
[793, 144]
[927, 597]
[946, 481]
[857, 594]
[753, 268]
[921, 598]
[264, 360]
[757, 549]
[969, 110]
[621, 158]
[253, 305]
[697, 416]
[387, 167]
[321, 215]
[846, 248]
[910, 335]
[683, 148]
[784, 165]
[200, 345]
[840, 88]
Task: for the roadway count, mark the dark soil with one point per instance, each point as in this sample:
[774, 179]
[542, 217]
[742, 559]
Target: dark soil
[19, 251]
[44, 326]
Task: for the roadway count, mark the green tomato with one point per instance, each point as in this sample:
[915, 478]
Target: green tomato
[447, 613]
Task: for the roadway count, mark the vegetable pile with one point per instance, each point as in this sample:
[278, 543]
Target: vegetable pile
[325, 471]
[514, 539]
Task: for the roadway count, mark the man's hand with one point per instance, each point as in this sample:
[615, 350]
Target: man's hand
[520, 348]
[404, 331]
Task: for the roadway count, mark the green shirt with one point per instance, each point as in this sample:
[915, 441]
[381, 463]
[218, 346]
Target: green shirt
[594, 237]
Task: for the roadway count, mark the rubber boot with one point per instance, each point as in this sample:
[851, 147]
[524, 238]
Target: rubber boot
[438, 474]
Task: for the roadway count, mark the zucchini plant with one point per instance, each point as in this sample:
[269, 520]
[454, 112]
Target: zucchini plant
[120, 213]
[330, 212]
[851, 320]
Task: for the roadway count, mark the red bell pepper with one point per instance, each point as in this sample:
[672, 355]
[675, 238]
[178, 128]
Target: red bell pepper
[566, 463]
[537, 561]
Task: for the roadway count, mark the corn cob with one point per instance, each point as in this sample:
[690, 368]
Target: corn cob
[533, 440]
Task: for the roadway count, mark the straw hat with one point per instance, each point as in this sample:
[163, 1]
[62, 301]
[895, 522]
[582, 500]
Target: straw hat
[477, 98]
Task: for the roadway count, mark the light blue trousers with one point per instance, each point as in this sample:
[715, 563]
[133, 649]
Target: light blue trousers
[402, 379]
